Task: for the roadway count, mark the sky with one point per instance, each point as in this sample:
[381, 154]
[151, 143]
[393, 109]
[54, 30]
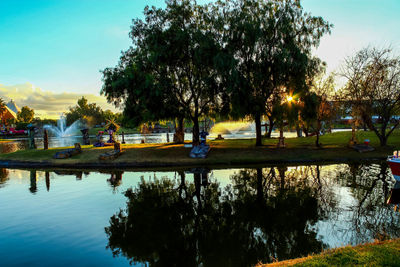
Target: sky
[52, 51]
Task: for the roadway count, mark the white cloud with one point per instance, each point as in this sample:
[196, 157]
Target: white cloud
[47, 104]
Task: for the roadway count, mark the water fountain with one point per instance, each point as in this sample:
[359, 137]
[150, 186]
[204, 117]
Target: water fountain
[234, 129]
[61, 130]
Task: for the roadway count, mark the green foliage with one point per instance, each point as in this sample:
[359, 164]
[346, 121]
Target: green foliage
[2, 107]
[271, 44]
[169, 73]
[89, 112]
[26, 114]
[373, 89]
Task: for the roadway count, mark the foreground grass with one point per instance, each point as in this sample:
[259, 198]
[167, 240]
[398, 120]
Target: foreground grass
[386, 253]
[225, 152]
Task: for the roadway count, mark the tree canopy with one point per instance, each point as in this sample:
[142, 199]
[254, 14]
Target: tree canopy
[26, 114]
[191, 60]
[170, 70]
[373, 89]
[271, 43]
[90, 112]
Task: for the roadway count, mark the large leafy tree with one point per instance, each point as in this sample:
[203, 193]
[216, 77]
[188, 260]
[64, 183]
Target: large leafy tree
[83, 110]
[373, 89]
[170, 70]
[26, 114]
[318, 108]
[271, 42]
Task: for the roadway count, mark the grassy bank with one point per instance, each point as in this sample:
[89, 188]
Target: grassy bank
[386, 253]
[223, 152]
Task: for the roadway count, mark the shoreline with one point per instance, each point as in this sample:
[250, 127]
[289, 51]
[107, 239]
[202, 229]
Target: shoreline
[228, 153]
[15, 164]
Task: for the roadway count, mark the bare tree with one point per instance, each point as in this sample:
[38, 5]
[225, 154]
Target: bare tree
[373, 89]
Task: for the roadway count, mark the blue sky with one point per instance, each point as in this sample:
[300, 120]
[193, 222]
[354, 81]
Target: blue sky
[60, 46]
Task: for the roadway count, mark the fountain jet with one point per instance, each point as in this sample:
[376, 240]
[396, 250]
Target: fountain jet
[61, 130]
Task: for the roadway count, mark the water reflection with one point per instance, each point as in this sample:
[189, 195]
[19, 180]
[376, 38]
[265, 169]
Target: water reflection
[33, 187]
[3, 177]
[260, 217]
[370, 215]
[115, 180]
[197, 216]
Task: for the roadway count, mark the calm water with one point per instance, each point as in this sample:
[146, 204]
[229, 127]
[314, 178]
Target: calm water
[232, 217]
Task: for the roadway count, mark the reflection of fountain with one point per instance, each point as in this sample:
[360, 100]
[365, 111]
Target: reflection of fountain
[61, 130]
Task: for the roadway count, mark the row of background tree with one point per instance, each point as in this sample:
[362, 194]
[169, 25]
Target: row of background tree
[90, 113]
[242, 59]
[24, 116]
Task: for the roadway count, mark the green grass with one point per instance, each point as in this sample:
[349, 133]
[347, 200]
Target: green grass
[386, 253]
[225, 152]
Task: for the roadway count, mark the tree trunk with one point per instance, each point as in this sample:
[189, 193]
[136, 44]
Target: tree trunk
[258, 129]
[271, 126]
[317, 140]
[179, 136]
[298, 130]
[383, 140]
[305, 131]
[317, 133]
[383, 137]
[196, 131]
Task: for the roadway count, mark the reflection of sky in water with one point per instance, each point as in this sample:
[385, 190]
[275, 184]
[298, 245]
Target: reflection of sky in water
[65, 225]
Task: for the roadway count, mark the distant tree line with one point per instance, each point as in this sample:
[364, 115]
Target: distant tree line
[24, 116]
[90, 113]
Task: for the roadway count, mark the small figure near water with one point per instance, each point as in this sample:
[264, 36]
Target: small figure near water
[31, 133]
[45, 140]
[99, 142]
[200, 151]
[85, 135]
[111, 128]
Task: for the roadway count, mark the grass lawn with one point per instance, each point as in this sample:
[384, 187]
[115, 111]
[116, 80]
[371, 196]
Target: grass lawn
[224, 152]
[386, 253]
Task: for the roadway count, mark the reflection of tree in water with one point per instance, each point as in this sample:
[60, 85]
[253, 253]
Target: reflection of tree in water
[370, 216]
[33, 179]
[3, 177]
[176, 222]
[283, 204]
[115, 180]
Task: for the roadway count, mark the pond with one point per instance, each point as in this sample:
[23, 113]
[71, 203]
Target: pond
[226, 217]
